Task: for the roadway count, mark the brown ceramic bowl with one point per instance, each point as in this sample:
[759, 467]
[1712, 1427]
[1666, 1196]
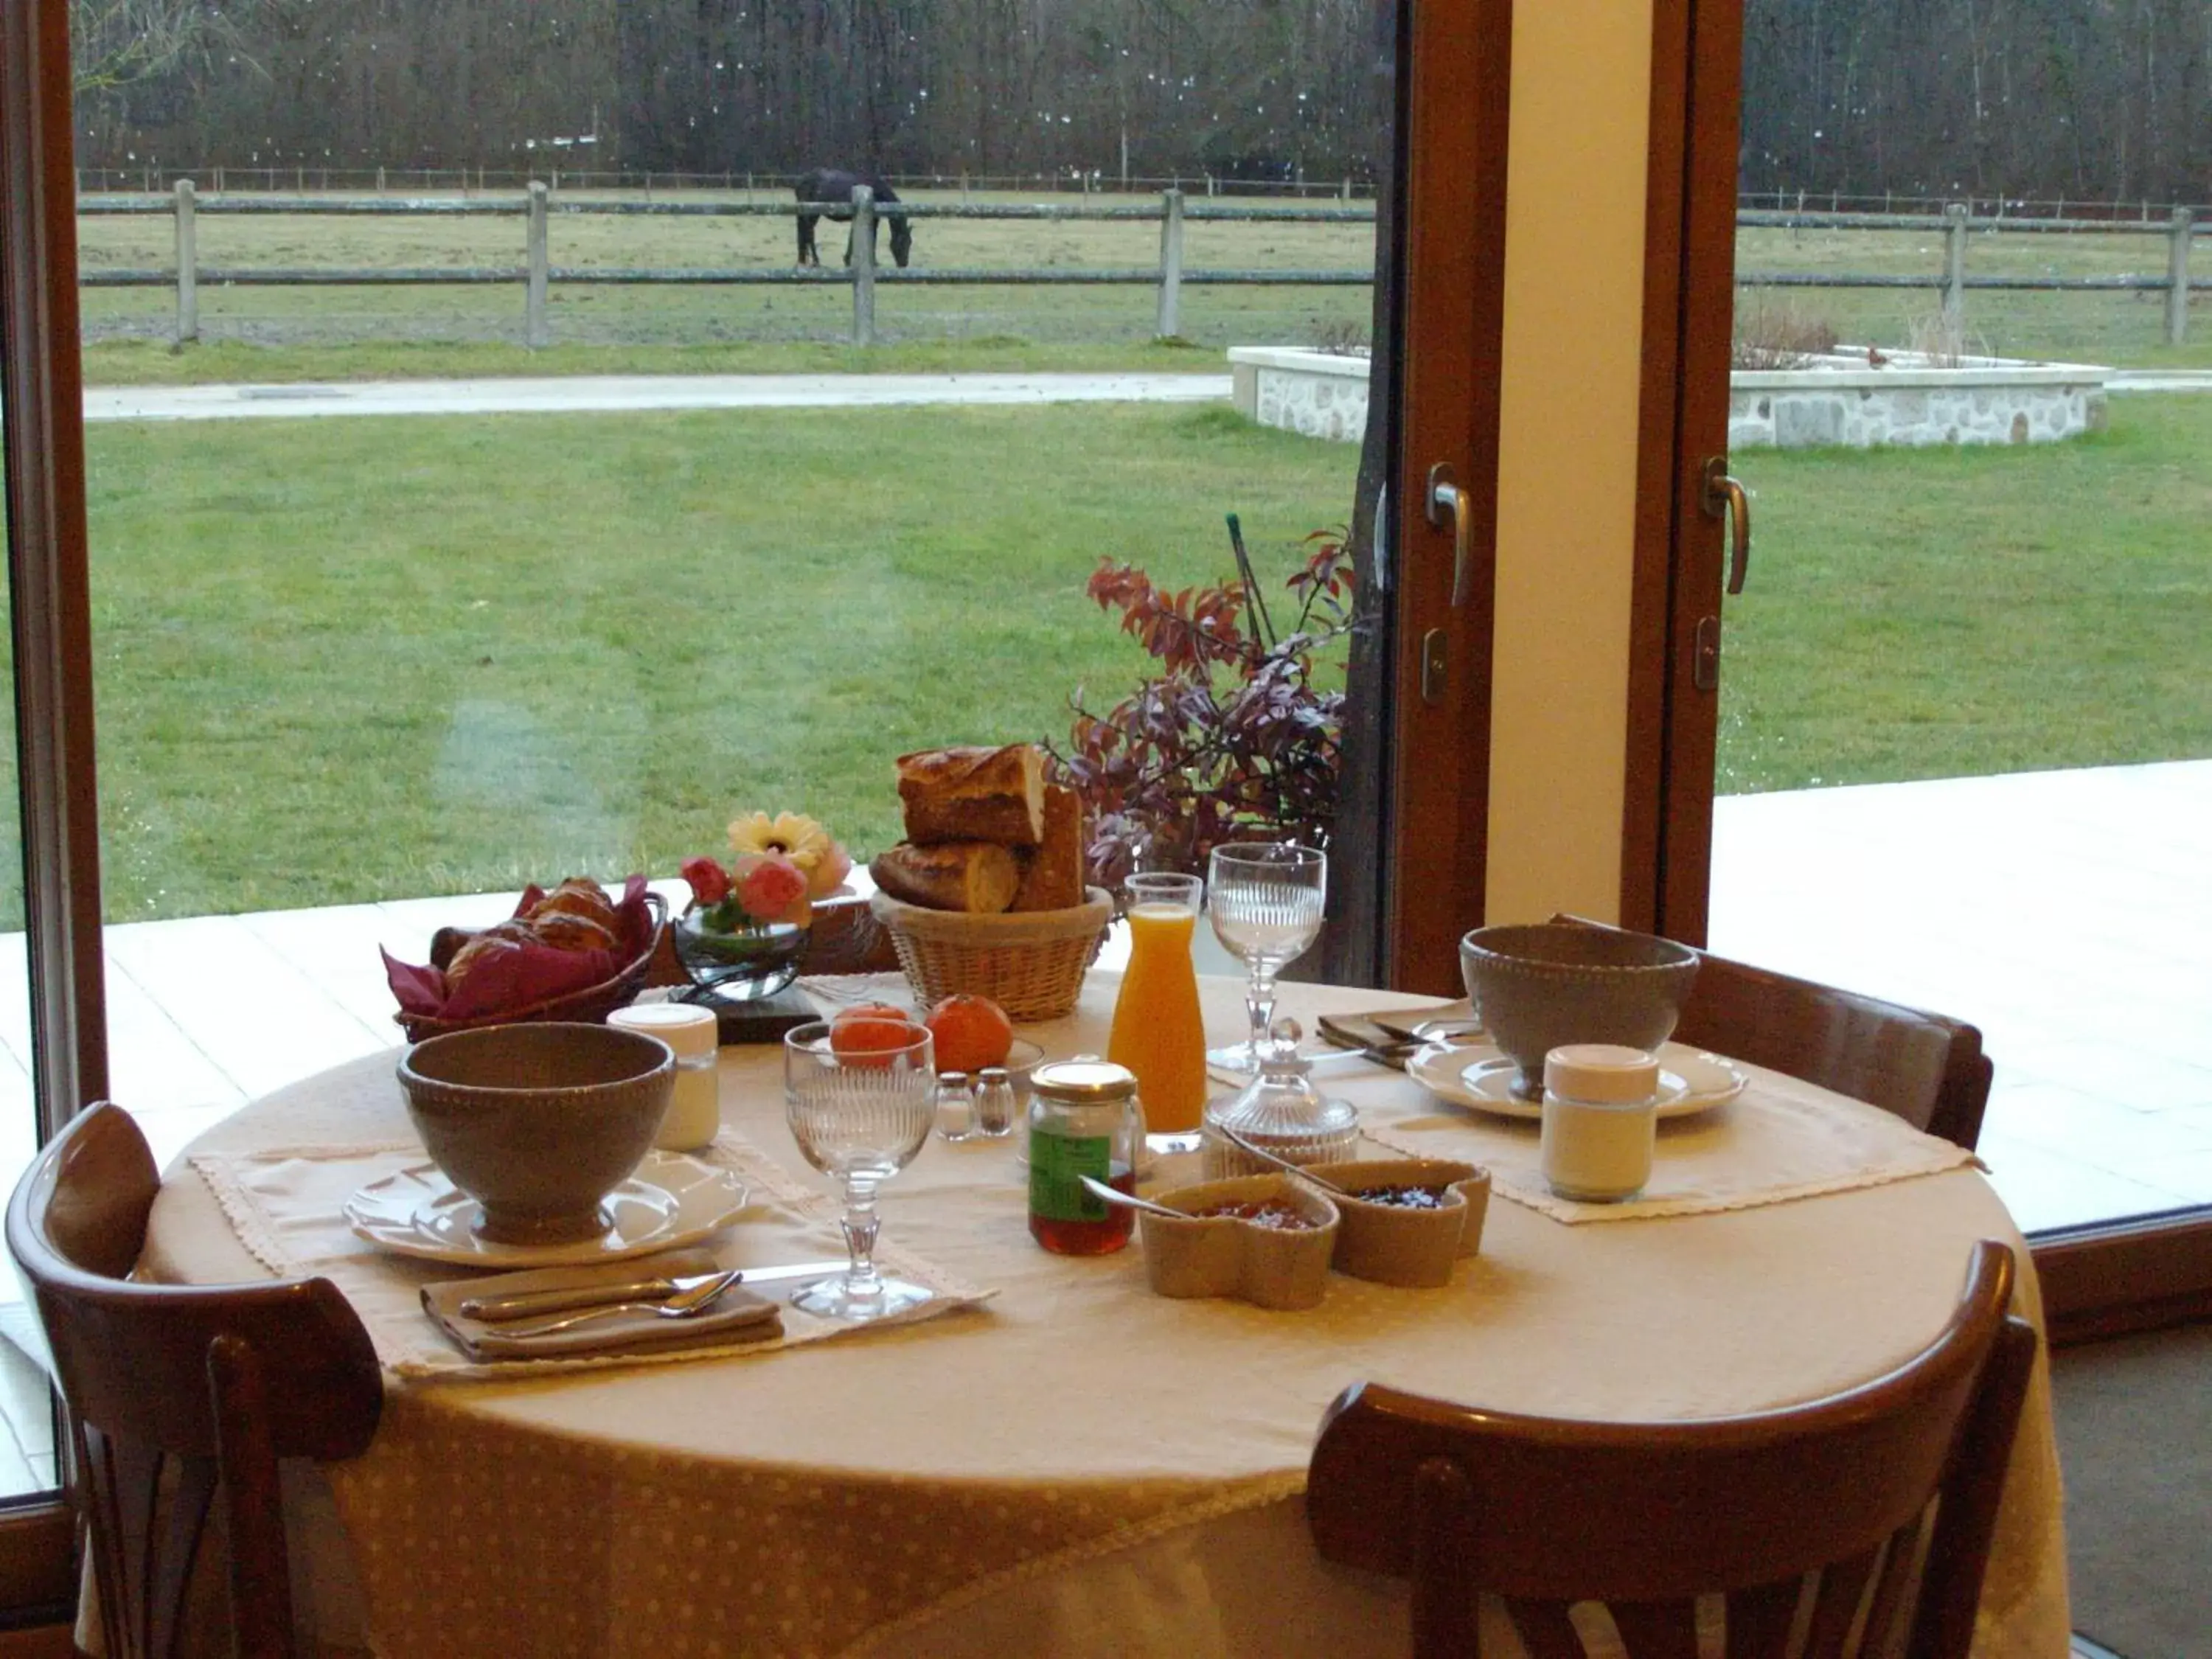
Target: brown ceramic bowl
[1537, 985]
[1395, 1244]
[538, 1122]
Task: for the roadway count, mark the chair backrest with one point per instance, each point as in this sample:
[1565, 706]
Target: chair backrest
[1928, 1070]
[177, 1393]
[1826, 1502]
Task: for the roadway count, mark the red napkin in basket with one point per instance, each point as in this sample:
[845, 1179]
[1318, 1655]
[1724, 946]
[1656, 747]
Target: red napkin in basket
[532, 974]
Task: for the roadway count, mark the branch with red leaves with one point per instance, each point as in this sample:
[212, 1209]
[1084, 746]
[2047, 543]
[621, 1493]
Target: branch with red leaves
[1231, 739]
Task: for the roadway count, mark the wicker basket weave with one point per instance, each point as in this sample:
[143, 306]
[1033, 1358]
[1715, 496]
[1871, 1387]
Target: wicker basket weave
[1031, 963]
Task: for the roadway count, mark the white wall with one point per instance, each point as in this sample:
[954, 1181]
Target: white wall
[1574, 266]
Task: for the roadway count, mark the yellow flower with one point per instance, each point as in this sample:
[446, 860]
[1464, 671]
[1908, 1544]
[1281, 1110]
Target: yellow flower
[795, 837]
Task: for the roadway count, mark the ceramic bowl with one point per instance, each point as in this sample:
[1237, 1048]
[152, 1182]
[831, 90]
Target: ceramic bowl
[1224, 1256]
[538, 1122]
[1538, 985]
[1392, 1244]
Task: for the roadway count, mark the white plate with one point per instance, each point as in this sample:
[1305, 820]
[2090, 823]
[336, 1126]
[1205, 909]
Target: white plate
[1479, 1076]
[673, 1200]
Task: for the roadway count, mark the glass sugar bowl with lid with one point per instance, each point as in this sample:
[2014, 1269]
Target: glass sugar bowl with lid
[1281, 1112]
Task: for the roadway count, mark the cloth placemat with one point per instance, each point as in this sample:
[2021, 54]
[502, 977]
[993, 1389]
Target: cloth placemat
[1779, 1140]
[287, 1208]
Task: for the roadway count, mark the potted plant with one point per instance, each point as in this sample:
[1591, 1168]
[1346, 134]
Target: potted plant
[1234, 737]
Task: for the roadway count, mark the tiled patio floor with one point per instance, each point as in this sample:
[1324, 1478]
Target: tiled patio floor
[2067, 913]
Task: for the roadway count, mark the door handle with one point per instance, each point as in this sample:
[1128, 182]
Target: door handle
[1446, 500]
[1724, 498]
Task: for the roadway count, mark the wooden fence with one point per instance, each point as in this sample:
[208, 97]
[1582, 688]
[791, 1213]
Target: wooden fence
[538, 204]
[538, 273]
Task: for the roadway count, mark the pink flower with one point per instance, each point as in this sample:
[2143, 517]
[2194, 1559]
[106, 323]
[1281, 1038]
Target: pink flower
[710, 882]
[771, 888]
[829, 871]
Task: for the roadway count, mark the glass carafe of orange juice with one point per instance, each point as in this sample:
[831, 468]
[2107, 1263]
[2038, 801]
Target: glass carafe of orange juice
[1156, 1030]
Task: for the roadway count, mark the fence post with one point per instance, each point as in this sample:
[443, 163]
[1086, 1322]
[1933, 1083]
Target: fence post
[1169, 325]
[188, 266]
[1955, 272]
[864, 265]
[535, 333]
[2177, 277]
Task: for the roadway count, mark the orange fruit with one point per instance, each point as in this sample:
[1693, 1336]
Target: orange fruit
[872, 1028]
[971, 1031]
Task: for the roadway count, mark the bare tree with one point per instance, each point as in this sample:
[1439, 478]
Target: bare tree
[119, 43]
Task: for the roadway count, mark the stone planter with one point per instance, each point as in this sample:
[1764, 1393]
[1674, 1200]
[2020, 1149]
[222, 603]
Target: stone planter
[1842, 399]
[1908, 401]
[1322, 394]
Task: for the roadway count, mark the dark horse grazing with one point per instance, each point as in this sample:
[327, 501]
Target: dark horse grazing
[828, 184]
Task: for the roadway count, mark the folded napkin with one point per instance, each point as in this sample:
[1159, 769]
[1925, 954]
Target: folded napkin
[737, 1316]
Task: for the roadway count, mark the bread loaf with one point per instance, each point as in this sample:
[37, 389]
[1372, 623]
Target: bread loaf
[976, 876]
[974, 794]
[1051, 875]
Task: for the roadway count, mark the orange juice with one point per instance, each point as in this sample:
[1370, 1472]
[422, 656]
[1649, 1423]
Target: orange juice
[1156, 1030]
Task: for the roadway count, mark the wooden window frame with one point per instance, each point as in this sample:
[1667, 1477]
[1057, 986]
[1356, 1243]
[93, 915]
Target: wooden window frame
[41, 424]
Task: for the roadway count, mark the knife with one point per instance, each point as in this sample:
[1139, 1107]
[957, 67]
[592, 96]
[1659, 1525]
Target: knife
[524, 1304]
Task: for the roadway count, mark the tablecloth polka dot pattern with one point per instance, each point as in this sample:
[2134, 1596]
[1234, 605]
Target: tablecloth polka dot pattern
[658, 1573]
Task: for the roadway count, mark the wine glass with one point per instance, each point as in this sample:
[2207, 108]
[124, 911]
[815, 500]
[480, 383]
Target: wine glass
[860, 1116]
[1264, 899]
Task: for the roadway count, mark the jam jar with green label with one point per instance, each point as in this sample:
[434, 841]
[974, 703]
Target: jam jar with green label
[1084, 1120]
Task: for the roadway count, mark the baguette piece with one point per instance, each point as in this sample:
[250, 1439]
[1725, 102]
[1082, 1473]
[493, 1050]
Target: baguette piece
[974, 794]
[1051, 875]
[979, 877]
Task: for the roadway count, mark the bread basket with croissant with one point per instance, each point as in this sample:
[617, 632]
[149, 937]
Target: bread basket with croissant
[987, 893]
[572, 953]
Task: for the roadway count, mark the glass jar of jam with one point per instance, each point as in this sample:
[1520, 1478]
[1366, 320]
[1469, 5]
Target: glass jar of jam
[1084, 1120]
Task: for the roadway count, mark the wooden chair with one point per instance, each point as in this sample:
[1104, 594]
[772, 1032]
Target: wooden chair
[176, 1393]
[1826, 1501]
[1928, 1070]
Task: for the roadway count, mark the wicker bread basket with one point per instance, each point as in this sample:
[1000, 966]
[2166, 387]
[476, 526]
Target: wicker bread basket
[590, 1005]
[1031, 963]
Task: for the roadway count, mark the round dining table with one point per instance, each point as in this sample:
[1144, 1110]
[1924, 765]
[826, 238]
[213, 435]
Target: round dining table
[1065, 1462]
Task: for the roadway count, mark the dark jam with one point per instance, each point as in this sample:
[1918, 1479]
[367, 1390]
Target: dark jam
[1405, 1198]
[1280, 1217]
[1093, 1234]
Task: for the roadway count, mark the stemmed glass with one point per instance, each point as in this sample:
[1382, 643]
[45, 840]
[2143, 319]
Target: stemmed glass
[1264, 899]
[861, 1116]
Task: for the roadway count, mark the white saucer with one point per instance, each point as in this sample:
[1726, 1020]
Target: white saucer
[1479, 1076]
[673, 1200]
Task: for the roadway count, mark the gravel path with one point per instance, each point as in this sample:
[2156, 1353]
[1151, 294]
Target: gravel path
[518, 397]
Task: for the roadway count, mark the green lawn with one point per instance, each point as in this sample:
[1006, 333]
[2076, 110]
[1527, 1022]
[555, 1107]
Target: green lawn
[1931, 613]
[350, 659]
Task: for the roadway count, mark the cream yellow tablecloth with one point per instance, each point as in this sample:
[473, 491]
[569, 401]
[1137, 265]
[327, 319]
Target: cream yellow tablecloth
[1081, 1466]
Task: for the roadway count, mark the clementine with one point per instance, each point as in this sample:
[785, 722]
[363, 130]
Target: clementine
[971, 1031]
[871, 1028]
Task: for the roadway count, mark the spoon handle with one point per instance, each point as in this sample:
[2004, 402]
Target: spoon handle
[1116, 1195]
[1299, 1170]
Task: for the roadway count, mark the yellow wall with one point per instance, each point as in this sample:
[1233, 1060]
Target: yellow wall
[1574, 260]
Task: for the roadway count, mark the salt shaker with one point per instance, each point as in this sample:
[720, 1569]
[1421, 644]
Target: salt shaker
[1601, 1121]
[956, 1106]
[995, 1103]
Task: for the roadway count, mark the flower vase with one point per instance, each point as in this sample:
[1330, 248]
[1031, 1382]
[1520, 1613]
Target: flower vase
[738, 964]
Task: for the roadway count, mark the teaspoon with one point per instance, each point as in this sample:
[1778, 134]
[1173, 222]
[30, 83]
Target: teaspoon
[1129, 1200]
